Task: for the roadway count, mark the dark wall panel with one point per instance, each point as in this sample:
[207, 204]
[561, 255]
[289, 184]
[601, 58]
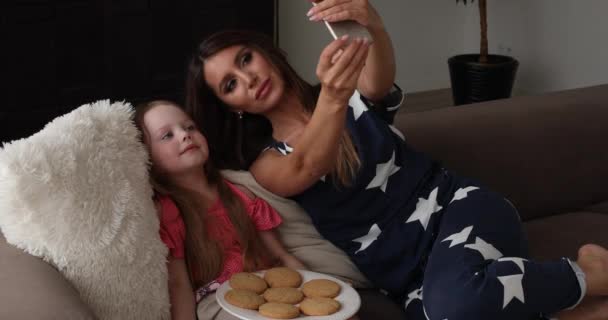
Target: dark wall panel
[57, 55]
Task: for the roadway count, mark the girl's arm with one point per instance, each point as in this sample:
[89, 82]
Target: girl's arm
[271, 240]
[378, 75]
[181, 294]
[315, 151]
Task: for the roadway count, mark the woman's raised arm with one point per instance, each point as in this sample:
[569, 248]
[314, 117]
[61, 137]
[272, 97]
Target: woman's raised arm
[379, 72]
[316, 149]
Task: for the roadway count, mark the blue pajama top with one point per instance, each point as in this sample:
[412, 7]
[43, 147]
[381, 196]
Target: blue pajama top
[367, 220]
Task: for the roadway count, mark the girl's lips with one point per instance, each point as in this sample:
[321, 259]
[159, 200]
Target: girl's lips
[189, 148]
[264, 89]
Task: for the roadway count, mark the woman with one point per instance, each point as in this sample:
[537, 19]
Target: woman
[413, 228]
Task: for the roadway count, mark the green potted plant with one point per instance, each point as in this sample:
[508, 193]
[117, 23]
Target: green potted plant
[483, 76]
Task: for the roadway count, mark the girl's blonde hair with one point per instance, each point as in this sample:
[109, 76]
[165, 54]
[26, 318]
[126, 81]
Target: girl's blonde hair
[204, 256]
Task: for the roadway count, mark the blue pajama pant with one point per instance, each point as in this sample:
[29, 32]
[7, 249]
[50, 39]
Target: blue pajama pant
[478, 268]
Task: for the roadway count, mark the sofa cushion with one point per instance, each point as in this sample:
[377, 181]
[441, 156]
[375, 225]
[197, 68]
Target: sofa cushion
[77, 194]
[33, 290]
[561, 235]
[546, 153]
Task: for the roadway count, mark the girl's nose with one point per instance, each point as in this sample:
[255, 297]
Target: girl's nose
[187, 136]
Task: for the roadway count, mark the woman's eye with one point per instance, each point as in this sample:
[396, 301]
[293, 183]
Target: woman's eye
[230, 85]
[246, 58]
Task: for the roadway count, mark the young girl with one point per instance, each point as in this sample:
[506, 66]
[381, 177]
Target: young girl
[443, 246]
[213, 228]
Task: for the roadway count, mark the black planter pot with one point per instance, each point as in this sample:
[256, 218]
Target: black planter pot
[473, 81]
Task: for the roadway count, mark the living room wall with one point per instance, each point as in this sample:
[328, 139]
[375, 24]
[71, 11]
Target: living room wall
[424, 34]
[558, 42]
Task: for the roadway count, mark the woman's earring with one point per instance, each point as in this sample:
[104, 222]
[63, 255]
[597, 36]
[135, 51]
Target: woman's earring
[240, 114]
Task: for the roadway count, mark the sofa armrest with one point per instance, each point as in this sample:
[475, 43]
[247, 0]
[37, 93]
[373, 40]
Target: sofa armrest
[32, 289]
[546, 153]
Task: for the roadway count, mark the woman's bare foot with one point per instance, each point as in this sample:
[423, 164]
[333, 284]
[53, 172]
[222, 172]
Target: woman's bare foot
[593, 259]
[592, 308]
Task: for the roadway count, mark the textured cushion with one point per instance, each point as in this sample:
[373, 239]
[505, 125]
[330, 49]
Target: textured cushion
[77, 195]
[300, 236]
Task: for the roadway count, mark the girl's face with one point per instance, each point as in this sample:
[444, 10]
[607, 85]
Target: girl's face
[175, 144]
[244, 79]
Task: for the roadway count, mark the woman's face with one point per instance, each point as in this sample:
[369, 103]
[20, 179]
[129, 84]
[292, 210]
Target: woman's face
[244, 79]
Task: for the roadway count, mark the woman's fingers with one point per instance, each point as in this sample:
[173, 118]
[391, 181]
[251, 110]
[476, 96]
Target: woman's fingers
[324, 5]
[345, 72]
[340, 10]
[344, 59]
[353, 69]
[326, 58]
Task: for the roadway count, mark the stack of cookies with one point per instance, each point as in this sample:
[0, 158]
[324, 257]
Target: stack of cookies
[281, 295]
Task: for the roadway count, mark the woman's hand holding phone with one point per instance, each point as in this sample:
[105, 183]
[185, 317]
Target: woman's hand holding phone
[339, 68]
[342, 10]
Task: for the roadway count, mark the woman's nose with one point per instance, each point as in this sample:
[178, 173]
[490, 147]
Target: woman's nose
[252, 79]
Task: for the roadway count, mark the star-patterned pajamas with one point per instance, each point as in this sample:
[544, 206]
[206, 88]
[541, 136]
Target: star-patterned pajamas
[442, 245]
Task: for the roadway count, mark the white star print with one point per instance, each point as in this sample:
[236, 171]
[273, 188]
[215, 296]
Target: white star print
[357, 104]
[513, 288]
[414, 295]
[370, 237]
[462, 193]
[383, 172]
[425, 208]
[487, 250]
[397, 132]
[518, 261]
[460, 237]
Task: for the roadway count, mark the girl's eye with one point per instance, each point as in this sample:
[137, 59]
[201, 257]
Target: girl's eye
[230, 85]
[191, 127]
[166, 136]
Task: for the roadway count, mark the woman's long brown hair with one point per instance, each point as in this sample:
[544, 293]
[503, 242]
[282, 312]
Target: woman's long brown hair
[235, 143]
[204, 256]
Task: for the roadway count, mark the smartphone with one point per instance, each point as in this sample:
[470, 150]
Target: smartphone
[348, 27]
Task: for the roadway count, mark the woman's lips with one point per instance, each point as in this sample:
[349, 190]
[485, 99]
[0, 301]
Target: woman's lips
[264, 90]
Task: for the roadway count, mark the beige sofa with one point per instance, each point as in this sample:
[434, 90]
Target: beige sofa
[547, 153]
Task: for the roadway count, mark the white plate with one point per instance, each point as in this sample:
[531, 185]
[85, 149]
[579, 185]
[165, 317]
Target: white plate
[349, 300]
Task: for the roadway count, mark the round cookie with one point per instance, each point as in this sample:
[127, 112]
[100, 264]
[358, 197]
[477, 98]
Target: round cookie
[283, 295]
[244, 299]
[319, 306]
[279, 310]
[248, 281]
[283, 277]
[322, 288]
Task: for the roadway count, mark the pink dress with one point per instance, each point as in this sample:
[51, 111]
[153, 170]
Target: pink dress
[173, 232]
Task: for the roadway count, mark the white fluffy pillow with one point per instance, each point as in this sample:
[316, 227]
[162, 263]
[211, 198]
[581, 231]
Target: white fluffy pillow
[77, 195]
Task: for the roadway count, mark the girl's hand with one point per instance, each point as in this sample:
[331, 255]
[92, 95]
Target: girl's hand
[340, 10]
[339, 68]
